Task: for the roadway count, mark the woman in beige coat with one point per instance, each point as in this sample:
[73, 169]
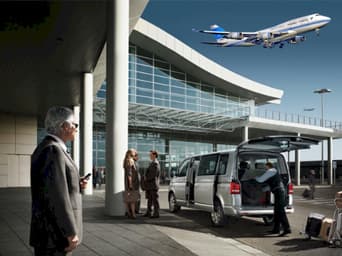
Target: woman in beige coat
[131, 194]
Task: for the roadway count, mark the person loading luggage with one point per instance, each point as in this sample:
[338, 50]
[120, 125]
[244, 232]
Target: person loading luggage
[272, 178]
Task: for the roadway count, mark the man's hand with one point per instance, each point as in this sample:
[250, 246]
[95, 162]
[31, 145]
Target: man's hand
[83, 183]
[73, 242]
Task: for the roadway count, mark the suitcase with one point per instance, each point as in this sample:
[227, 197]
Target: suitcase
[327, 224]
[307, 193]
[314, 224]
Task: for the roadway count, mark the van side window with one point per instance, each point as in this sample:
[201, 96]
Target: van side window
[207, 165]
[223, 165]
[183, 168]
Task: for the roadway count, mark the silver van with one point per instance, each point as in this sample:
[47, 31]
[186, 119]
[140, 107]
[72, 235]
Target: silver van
[223, 183]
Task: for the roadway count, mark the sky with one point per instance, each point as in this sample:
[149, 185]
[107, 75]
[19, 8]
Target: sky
[297, 69]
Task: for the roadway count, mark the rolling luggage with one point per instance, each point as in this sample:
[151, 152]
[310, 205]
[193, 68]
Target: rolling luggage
[307, 193]
[313, 225]
[327, 224]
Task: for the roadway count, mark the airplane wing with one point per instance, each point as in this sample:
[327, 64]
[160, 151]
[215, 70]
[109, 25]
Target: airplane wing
[227, 33]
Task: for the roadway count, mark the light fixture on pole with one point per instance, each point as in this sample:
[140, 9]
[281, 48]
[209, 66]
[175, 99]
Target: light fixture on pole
[321, 92]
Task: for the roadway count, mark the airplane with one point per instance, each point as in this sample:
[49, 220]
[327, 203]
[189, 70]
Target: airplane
[289, 31]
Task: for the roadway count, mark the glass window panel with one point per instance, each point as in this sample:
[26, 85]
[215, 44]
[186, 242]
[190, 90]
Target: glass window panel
[192, 107]
[178, 98]
[178, 90]
[161, 103]
[174, 68]
[177, 105]
[178, 83]
[208, 103]
[193, 100]
[161, 80]
[162, 64]
[131, 90]
[161, 72]
[161, 95]
[160, 87]
[207, 165]
[131, 82]
[222, 168]
[194, 93]
[179, 76]
[205, 109]
[144, 61]
[144, 84]
[144, 69]
[143, 52]
[132, 49]
[142, 92]
[144, 100]
[143, 76]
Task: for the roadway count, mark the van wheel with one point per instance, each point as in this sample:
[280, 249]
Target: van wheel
[173, 207]
[268, 220]
[218, 218]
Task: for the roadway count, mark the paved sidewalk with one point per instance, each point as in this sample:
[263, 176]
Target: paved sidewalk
[104, 235]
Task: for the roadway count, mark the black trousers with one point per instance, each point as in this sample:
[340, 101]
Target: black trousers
[50, 252]
[152, 199]
[280, 217]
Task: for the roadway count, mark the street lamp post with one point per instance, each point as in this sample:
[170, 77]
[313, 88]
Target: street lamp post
[321, 92]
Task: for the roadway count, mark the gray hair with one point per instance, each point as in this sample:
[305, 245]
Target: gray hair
[55, 117]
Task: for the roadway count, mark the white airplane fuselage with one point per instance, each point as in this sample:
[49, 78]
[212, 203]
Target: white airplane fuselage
[289, 31]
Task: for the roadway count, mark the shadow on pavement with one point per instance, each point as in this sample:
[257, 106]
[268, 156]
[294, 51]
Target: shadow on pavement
[296, 244]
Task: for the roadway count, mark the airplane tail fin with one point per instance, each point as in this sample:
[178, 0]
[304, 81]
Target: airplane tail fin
[216, 28]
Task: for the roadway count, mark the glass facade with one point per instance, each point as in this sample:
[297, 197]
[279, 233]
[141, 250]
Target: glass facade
[155, 82]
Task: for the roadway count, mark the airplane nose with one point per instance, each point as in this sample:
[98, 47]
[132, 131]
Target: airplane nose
[328, 19]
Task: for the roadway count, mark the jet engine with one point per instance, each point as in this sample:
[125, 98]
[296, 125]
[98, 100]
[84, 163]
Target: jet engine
[297, 39]
[265, 36]
[235, 35]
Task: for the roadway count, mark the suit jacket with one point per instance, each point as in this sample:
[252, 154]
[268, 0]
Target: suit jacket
[152, 176]
[56, 197]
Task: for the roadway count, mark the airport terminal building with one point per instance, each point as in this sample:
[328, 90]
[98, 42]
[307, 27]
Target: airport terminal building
[180, 103]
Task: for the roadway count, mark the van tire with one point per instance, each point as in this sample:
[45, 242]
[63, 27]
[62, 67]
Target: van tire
[217, 217]
[268, 220]
[173, 207]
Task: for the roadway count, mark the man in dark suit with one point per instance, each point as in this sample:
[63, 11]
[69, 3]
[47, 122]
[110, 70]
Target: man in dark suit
[151, 182]
[56, 222]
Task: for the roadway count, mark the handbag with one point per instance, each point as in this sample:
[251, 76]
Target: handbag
[131, 196]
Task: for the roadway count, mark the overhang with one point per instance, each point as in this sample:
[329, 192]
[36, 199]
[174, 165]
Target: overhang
[154, 39]
[46, 46]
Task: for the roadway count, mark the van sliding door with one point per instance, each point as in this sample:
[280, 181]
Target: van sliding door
[204, 185]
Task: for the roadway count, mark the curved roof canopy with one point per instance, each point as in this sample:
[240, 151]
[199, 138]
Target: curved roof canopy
[154, 39]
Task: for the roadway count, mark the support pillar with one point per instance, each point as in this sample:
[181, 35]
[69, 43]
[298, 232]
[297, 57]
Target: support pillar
[330, 164]
[117, 104]
[244, 133]
[76, 142]
[297, 166]
[87, 130]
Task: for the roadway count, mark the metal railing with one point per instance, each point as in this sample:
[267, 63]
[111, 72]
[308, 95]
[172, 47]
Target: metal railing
[296, 118]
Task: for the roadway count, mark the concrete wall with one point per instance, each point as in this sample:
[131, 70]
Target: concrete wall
[18, 139]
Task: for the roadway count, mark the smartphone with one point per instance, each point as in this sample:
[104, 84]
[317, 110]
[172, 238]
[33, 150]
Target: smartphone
[87, 176]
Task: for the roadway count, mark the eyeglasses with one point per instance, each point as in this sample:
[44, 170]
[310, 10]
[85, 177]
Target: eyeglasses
[71, 123]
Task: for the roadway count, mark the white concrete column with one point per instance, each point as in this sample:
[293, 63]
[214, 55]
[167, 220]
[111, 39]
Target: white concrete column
[244, 133]
[76, 142]
[297, 165]
[87, 129]
[117, 104]
[330, 165]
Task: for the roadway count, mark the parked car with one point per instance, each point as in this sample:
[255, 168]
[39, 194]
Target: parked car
[223, 183]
